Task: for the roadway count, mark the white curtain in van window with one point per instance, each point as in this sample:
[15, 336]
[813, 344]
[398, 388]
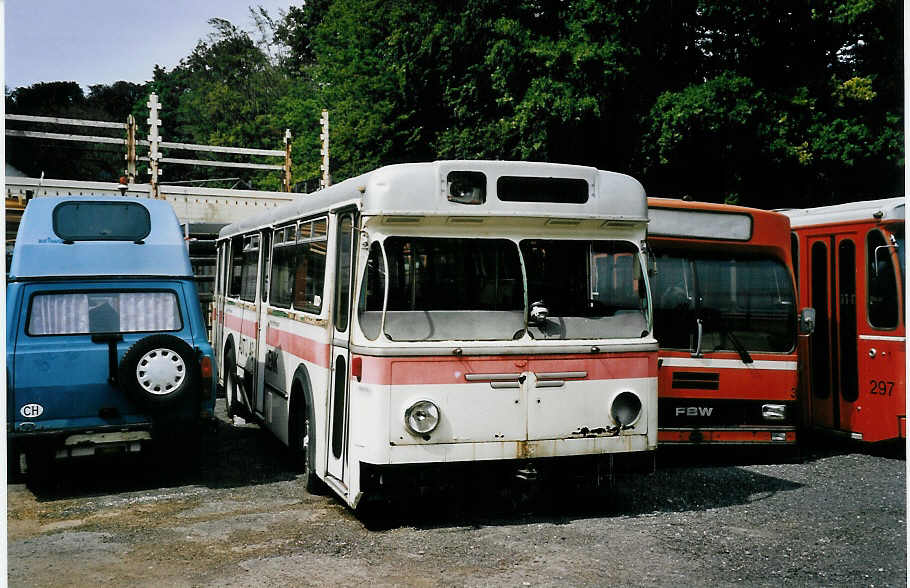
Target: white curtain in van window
[149, 311]
[59, 313]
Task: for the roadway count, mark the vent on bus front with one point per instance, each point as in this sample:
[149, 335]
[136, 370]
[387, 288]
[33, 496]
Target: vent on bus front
[696, 380]
[527, 189]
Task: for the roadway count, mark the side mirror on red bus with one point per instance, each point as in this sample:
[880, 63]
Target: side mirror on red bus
[807, 321]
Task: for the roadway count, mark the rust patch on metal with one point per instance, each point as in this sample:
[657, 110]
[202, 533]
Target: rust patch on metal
[524, 450]
[595, 432]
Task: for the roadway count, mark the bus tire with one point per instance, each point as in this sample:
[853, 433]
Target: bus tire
[303, 444]
[158, 371]
[230, 377]
[232, 390]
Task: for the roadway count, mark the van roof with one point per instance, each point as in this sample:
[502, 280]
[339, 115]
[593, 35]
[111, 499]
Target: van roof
[40, 252]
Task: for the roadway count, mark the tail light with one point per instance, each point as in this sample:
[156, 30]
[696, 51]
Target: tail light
[206, 366]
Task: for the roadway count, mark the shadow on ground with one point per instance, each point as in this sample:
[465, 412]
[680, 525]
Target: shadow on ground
[668, 489]
[227, 456]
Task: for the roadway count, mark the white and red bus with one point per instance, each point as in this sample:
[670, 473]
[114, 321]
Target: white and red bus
[435, 318]
[851, 270]
[726, 320]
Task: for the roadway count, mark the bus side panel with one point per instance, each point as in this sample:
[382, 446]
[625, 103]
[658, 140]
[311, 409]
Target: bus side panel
[881, 407]
[290, 343]
[232, 323]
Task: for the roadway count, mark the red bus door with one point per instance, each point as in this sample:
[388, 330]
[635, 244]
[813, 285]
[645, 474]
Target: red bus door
[833, 350]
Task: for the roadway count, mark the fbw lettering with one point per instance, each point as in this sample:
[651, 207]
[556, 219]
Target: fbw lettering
[694, 411]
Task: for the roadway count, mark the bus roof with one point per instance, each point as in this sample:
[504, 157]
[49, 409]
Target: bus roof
[868, 210]
[421, 189]
[40, 251]
[709, 221]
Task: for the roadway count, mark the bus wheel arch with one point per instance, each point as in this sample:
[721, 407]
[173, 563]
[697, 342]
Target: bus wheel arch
[301, 430]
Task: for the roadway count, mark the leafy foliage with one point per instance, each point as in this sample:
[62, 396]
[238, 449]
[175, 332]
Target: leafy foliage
[68, 159]
[761, 104]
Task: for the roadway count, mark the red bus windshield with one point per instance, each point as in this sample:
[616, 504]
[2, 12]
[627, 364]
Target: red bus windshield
[740, 302]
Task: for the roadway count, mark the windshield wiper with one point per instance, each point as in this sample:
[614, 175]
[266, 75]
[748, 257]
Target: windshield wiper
[717, 318]
[743, 352]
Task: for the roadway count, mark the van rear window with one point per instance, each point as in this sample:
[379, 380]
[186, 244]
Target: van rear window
[90, 313]
[101, 221]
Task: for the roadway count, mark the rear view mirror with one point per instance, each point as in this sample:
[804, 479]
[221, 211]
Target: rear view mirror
[807, 321]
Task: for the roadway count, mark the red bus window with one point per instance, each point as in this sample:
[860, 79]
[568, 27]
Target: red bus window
[881, 293]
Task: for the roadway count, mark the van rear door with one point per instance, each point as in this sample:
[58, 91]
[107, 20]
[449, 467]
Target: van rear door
[69, 341]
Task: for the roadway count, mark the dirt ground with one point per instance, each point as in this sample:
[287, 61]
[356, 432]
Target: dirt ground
[836, 517]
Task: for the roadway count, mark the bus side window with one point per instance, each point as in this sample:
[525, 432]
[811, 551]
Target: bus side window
[882, 284]
[309, 269]
[248, 265]
[284, 260]
[236, 267]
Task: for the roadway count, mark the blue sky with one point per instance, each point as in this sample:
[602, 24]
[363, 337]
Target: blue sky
[103, 41]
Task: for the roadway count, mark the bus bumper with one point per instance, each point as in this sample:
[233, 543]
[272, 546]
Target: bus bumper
[727, 436]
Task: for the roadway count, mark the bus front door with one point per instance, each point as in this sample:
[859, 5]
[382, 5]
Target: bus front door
[257, 394]
[339, 386]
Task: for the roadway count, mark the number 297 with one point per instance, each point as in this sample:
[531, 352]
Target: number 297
[881, 387]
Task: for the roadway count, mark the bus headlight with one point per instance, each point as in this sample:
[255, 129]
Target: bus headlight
[422, 417]
[774, 412]
[625, 409]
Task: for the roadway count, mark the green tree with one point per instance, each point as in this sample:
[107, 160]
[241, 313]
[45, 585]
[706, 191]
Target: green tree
[225, 93]
[69, 159]
[820, 84]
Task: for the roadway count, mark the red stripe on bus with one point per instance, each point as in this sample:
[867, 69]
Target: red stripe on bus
[235, 323]
[446, 370]
[403, 371]
[299, 346]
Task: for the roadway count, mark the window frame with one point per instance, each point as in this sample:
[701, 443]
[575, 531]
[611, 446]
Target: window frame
[868, 281]
[37, 293]
[282, 239]
[101, 203]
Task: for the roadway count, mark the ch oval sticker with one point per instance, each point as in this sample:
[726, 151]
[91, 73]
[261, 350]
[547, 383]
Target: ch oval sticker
[31, 411]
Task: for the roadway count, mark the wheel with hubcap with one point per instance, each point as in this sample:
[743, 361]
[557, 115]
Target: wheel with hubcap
[158, 371]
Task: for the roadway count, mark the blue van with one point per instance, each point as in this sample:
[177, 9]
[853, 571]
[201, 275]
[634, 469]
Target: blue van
[106, 345]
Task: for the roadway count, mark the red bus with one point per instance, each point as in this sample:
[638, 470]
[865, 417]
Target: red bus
[726, 321]
[850, 266]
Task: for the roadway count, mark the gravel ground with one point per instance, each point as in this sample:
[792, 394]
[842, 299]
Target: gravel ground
[837, 517]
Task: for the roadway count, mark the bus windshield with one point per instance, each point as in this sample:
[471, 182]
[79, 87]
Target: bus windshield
[588, 289]
[443, 289]
[742, 304]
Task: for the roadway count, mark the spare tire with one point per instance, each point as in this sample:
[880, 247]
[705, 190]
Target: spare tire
[158, 371]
